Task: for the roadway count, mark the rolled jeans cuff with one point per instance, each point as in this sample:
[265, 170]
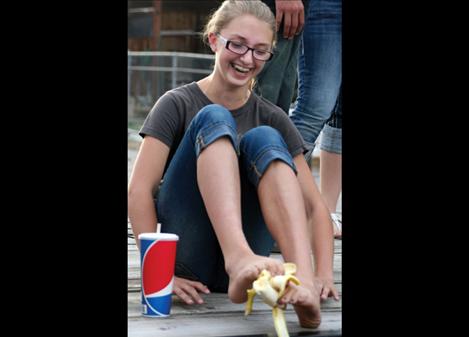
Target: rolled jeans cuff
[262, 162]
[331, 139]
[259, 147]
[211, 133]
[211, 123]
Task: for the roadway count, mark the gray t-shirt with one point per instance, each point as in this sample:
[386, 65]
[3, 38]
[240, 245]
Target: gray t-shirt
[173, 112]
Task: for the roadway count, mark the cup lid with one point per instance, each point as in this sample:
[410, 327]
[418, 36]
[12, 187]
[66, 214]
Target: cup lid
[158, 236]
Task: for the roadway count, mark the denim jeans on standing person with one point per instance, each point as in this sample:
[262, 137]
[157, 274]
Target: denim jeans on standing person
[331, 139]
[319, 68]
[180, 207]
[277, 80]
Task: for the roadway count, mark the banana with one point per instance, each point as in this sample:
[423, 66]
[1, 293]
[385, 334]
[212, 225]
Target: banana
[270, 289]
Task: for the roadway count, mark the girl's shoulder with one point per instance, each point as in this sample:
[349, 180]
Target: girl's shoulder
[185, 94]
[182, 91]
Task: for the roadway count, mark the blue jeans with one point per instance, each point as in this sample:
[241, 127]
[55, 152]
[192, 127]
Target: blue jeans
[278, 79]
[319, 68]
[180, 207]
[276, 82]
[331, 139]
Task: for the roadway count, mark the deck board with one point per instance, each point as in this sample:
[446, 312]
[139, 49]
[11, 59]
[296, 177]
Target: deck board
[223, 324]
[217, 303]
[218, 316]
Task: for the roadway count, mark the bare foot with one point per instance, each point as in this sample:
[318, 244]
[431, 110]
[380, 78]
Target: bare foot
[244, 271]
[305, 300]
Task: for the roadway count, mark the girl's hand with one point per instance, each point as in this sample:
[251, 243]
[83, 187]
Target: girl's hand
[188, 290]
[326, 288]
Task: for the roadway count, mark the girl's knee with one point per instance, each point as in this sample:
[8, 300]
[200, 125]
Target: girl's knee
[260, 137]
[211, 123]
[259, 148]
[214, 113]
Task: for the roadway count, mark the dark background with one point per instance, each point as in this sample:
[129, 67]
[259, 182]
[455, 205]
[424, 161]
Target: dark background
[66, 178]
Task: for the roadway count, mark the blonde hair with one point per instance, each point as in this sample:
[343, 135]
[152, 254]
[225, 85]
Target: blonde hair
[231, 9]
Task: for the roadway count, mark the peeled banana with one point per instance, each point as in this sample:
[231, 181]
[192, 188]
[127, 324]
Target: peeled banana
[270, 289]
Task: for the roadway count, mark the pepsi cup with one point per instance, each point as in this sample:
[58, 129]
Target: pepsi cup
[157, 258]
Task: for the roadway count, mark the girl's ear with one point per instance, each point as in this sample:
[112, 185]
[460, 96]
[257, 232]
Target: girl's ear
[212, 40]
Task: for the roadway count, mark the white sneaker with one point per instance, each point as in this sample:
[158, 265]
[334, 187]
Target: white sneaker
[337, 222]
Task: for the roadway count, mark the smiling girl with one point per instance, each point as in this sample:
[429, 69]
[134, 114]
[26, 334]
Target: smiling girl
[233, 176]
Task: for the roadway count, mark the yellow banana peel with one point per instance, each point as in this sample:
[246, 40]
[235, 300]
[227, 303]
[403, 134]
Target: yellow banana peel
[279, 322]
[270, 289]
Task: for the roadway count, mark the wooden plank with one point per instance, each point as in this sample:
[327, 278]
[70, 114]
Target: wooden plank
[131, 241]
[218, 303]
[133, 281]
[134, 285]
[218, 316]
[225, 324]
[133, 278]
[132, 247]
[133, 271]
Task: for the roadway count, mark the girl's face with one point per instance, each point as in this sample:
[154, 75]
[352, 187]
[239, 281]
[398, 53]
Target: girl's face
[235, 69]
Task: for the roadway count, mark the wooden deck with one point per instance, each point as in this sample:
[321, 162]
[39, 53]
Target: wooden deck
[218, 316]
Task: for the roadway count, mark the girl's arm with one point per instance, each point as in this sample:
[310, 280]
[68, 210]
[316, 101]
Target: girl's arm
[146, 176]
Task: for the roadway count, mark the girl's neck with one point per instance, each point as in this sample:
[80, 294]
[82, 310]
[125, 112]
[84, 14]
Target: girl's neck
[220, 93]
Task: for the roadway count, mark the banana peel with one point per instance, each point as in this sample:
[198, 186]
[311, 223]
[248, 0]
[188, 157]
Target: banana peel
[270, 289]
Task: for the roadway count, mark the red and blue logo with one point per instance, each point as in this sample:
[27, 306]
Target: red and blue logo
[157, 268]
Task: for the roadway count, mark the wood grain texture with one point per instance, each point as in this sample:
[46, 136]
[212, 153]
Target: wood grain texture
[218, 316]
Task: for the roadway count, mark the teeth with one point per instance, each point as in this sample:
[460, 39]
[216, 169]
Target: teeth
[240, 69]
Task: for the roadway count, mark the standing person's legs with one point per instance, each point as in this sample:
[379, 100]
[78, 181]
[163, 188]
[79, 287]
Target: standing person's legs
[319, 68]
[330, 172]
[277, 80]
[330, 169]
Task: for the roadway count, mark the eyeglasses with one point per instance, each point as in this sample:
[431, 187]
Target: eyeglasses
[241, 49]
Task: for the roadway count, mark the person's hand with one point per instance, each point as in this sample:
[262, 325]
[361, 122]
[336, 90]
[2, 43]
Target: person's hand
[188, 290]
[326, 288]
[293, 14]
